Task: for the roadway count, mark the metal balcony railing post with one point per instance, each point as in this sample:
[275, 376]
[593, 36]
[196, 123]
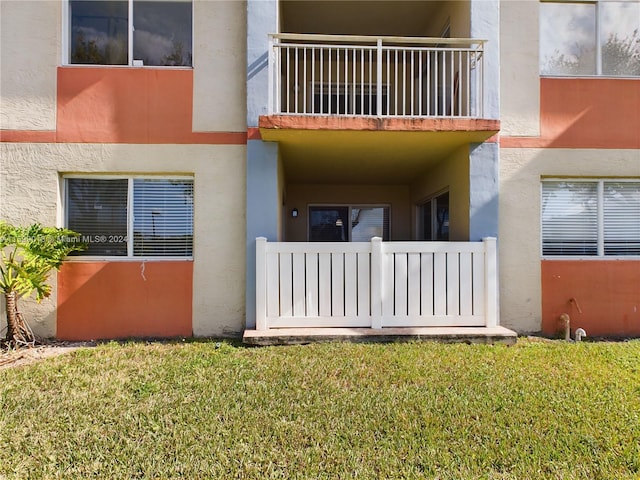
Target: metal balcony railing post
[379, 79]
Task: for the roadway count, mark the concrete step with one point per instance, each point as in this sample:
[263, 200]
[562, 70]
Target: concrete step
[294, 336]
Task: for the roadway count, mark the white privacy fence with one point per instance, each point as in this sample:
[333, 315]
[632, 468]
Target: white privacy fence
[376, 284]
[375, 76]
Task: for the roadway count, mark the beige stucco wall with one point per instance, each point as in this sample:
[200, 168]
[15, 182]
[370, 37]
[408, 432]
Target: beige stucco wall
[31, 194]
[29, 54]
[519, 249]
[519, 73]
[450, 174]
[301, 196]
[219, 55]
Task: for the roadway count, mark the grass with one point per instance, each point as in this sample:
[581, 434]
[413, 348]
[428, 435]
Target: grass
[536, 410]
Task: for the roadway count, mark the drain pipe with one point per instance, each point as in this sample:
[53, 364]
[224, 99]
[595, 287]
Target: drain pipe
[575, 302]
[579, 334]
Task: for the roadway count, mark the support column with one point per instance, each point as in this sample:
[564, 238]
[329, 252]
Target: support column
[263, 186]
[262, 19]
[263, 210]
[483, 190]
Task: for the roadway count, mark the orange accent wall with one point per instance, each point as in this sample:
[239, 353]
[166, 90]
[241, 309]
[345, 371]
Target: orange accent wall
[27, 136]
[607, 292]
[130, 105]
[585, 113]
[100, 300]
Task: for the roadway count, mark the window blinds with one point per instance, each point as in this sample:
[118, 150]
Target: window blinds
[590, 218]
[162, 217]
[569, 218]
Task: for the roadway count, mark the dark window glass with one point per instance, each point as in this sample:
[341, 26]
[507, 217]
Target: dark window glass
[328, 224]
[162, 32]
[99, 32]
[348, 223]
[435, 218]
[97, 209]
[442, 217]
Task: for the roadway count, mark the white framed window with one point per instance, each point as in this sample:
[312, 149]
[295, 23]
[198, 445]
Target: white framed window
[130, 216]
[590, 217]
[590, 37]
[348, 223]
[128, 32]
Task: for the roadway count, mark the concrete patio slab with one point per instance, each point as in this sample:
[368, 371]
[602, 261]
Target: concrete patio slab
[296, 336]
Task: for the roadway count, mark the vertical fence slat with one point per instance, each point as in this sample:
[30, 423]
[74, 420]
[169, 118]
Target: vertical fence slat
[299, 285]
[400, 283]
[478, 284]
[376, 282]
[466, 284]
[364, 284]
[453, 284]
[350, 284]
[440, 283]
[286, 287]
[337, 285]
[413, 285]
[387, 282]
[273, 285]
[324, 284]
[311, 280]
[426, 282]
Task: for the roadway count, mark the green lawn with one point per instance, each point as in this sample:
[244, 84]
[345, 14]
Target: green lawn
[414, 410]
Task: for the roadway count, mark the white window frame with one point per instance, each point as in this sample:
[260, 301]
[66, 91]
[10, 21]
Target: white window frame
[432, 201]
[130, 218]
[598, 39]
[600, 255]
[66, 41]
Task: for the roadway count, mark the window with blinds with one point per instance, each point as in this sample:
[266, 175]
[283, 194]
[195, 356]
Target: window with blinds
[621, 218]
[590, 218]
[131, 217]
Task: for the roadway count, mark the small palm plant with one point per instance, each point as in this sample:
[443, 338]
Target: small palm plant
[27, 256]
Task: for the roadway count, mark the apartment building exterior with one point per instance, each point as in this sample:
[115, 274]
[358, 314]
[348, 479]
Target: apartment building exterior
[233, 164]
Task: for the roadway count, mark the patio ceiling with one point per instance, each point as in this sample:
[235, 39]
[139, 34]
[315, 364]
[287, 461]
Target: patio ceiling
[364, 157]
[368, 151]
[390, 17]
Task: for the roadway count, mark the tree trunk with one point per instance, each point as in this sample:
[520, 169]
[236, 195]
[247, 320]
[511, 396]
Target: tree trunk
[12, 316]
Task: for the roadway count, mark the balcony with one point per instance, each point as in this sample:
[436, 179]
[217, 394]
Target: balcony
[365, 76]
[308, 292]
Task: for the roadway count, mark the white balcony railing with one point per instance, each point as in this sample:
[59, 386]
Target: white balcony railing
[376, 284]
[375, 76]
